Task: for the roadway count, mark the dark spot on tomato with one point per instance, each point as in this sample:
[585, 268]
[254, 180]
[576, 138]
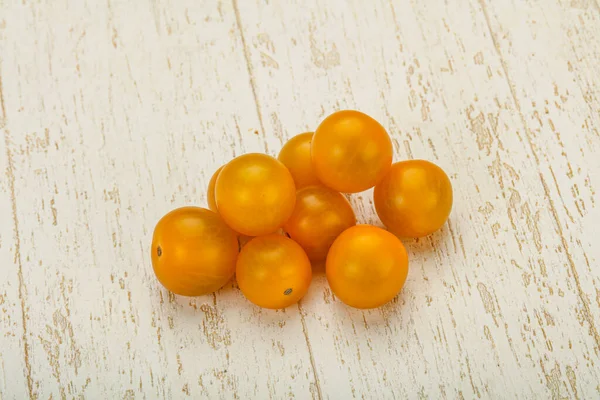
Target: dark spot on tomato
[159, 251]
[288, 292]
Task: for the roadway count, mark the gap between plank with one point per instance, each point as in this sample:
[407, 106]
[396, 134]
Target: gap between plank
[238, 21]
[508, 81]
[310, 352]
[587, 313]
[17, 258]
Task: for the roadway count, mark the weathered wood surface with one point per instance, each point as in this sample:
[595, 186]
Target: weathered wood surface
[112, 113]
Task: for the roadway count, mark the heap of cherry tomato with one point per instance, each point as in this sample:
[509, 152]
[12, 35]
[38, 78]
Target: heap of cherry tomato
[292, 211]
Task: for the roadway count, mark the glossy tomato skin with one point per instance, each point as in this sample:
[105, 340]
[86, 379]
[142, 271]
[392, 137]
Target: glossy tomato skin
[255, 194]
[273, 271]
[295, 155]
[320, 215]
[414, 199]
[366, 266]
[210, 193]
[350, 151]
[193, 251]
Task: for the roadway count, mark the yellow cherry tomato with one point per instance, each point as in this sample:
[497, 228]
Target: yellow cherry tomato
[350, 151]
[210, 194]
[320, 215]
[212, 202]
[414, 199]
[255, 194]
[273, 271]
[193, 251]
[366, 266]
[295, 155]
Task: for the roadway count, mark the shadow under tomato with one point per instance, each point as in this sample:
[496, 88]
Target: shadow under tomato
[318, 268]
[383, 317]
[426, 246]
[231, 286]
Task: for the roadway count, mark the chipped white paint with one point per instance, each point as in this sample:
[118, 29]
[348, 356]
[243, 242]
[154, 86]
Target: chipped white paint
[112, 113]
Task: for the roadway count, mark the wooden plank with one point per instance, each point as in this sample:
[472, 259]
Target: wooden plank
[551, 61]
[491, 307]
[118, 112]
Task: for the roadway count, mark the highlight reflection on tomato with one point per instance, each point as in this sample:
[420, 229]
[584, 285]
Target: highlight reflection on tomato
[350, 151]
[320, 215]
[295, 155]
[414, 199]
[255, 194]
[366, 266]
[193, 251]
[273, 271]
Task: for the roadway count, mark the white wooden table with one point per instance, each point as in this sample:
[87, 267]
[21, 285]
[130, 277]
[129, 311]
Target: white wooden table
[114, 112]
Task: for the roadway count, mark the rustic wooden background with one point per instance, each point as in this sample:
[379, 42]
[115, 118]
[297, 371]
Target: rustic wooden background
[114, 112]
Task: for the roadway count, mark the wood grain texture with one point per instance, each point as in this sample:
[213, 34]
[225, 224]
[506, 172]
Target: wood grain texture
[112, 113]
